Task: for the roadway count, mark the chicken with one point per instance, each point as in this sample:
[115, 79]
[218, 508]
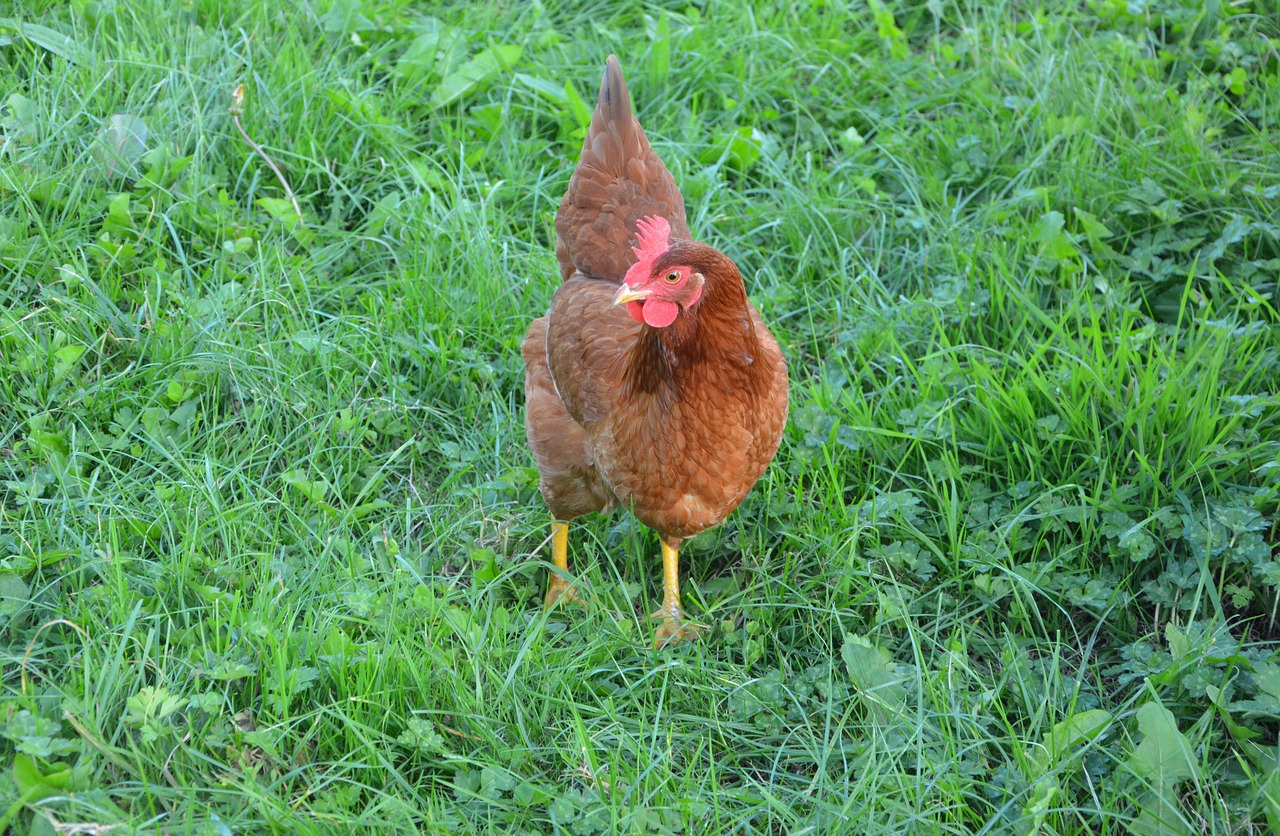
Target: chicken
[652, 383]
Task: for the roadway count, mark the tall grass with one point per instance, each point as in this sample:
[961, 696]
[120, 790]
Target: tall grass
[271, 553]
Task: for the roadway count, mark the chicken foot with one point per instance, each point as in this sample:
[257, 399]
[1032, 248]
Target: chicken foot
[557, 586]
[674, 627]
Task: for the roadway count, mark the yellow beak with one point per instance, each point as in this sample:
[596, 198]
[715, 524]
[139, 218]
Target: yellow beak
[627, 294]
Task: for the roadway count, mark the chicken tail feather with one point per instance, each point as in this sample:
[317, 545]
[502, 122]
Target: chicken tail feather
[614, 101]
[619, 180]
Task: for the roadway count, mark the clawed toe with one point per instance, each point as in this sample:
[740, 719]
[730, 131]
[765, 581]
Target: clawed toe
[558, 589]
[674, 628]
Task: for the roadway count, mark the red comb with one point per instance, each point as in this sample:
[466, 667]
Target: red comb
[653, 234]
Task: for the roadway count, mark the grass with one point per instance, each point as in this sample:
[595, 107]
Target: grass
[271, 552]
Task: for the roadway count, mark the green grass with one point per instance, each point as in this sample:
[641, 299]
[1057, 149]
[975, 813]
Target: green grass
[271, 551]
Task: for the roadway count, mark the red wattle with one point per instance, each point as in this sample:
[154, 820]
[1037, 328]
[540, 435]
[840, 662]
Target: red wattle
[658, 313]
[634, 307]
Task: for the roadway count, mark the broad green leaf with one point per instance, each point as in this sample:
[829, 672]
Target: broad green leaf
[119, 220]
[121, 143]
[47, 39]
[422, 736]
[466, 784]
[1046, 790]
[150, 530]
[1094, 229]
[1055, 241]
[852, 139]
[486, 561]
[581, 111]
[475, 74]
[1160, 762]
[1179, 644]
[495, 781]
[741, 149]
[25, 564]
[21, 120]
[419, 57]
[14, 594]
[229, 670]
[1164, 756]
[463, 623]
[182, 415]
[296, 680]
[1239, 733]
[309, 341]
[887, 29]
[49, 443]
[872, 672]
[1065, 126]
[283, 211]
[345, 16]
[1268, 679]
[209, 592]
[659, 69]
[316, 490]
[1071, 732]
[1159, 817]
[1271, 799]
[151, 703]
[65, 358]
[1236, 80]
[239, 246]
[549, 90]
[366, 508]
[488, 118]
[34, 783]
[527, 795]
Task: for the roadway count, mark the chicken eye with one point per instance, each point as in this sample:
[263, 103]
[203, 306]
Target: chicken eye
[673, 276]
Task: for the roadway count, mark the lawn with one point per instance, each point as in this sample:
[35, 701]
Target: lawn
[272, 554]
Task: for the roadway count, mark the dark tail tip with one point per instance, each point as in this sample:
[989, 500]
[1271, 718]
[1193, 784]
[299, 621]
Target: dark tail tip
[614, 100]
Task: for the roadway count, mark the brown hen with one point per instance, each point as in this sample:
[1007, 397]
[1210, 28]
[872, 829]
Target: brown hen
[652, 382]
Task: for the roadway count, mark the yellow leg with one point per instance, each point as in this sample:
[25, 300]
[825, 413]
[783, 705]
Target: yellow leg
[557, 586]
[673, 627]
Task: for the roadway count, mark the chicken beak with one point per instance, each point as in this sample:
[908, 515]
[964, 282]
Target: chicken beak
[627, 294]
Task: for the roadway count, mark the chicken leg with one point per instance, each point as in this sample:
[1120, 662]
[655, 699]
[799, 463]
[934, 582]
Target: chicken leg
[673, 626]
[557, 586]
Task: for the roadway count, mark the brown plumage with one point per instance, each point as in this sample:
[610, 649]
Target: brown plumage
[672, 406]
